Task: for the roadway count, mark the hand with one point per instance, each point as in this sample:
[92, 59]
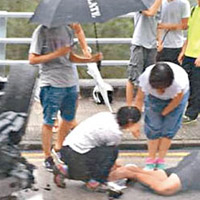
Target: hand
[135, 130]
[119, 173]
[164, 26]
[159, 46]
[164, 112]
[115, 166]
[180, 58]
[197, 62]
[63, 51]
[87, 54]
[96, 57]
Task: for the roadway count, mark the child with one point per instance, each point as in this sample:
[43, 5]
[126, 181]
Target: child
[163, 88]
[90, 150]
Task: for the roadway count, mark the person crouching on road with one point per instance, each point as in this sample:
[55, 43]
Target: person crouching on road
[91, 149]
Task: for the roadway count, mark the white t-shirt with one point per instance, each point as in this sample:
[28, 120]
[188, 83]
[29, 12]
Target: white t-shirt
[179, 84]
[173, 12]
[145, 30]
[98, 130]
[59, 72]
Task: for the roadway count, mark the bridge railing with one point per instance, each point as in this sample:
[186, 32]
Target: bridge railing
[4, 15]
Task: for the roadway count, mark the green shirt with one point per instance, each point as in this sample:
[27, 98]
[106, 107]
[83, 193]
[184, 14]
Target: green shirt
[193, 46]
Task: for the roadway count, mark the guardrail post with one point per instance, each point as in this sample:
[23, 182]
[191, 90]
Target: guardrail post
[3, 28]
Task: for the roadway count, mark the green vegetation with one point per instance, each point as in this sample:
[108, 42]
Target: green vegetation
[113, 28]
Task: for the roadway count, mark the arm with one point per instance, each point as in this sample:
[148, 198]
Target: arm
[182, 53]
[173, 104]
[80, 59]
[183, 25]
[129, 93]
[153, 9]
[36, 59]
[159, 40]
[197, 61]
[81, 37]
[166, 187]
[139, 99]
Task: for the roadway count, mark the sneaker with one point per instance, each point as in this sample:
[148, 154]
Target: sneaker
[57, 156]
[150, 164]
[160, 163]
[188, 120]
[49, 164]
[60, 173]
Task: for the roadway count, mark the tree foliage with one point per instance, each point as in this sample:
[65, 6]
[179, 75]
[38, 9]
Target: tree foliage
[113, 28]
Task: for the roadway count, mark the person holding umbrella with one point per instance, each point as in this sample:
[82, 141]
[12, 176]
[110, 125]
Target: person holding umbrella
[143, 49]
[52, 48]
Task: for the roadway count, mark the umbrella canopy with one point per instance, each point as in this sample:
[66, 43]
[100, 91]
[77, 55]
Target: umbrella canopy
[52, 13]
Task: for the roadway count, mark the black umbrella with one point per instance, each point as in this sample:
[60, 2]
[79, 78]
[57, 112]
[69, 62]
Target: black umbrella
[52, 13]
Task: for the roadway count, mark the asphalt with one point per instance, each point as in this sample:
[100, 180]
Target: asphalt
[187, 136]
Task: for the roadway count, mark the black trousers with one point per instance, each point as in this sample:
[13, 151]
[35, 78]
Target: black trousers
[95, 164]
[169, 55]
[193, 108]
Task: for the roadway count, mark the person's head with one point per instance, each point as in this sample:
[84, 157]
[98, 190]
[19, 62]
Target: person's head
[128, 115]
[161, 77]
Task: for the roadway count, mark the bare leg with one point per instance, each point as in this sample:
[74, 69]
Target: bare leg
[164, 145]
[131, 171]
[63, 130]
[156, 180]
[129, 93]
[153, 148]
[46, 139]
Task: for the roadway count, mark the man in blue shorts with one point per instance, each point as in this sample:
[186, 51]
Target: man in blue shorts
[52, 49]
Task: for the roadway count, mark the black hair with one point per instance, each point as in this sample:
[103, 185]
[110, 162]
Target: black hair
[161, 76]
[127, 114]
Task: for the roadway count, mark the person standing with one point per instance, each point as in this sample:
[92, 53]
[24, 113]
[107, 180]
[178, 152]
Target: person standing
[190, 59]
[174, 19]
[52, 49]
[143, 49]
[164, 90]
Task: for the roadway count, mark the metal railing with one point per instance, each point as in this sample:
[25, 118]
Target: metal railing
[4, 40]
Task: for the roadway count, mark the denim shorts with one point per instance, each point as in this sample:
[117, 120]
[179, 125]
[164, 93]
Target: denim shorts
[140, 59]
[156, 125]
[54, 99]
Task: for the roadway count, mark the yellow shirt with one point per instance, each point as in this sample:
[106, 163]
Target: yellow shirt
[193, 46]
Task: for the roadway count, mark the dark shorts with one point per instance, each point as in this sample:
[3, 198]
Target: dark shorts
[169, 55]
[188, 171]
[140, 59]
[156, 125]
[54, 99]
[95, 164]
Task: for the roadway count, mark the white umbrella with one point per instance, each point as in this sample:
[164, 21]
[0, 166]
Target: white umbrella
[94, 72]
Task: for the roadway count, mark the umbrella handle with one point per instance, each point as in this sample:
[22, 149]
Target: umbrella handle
[97, 46]
[99, 65]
